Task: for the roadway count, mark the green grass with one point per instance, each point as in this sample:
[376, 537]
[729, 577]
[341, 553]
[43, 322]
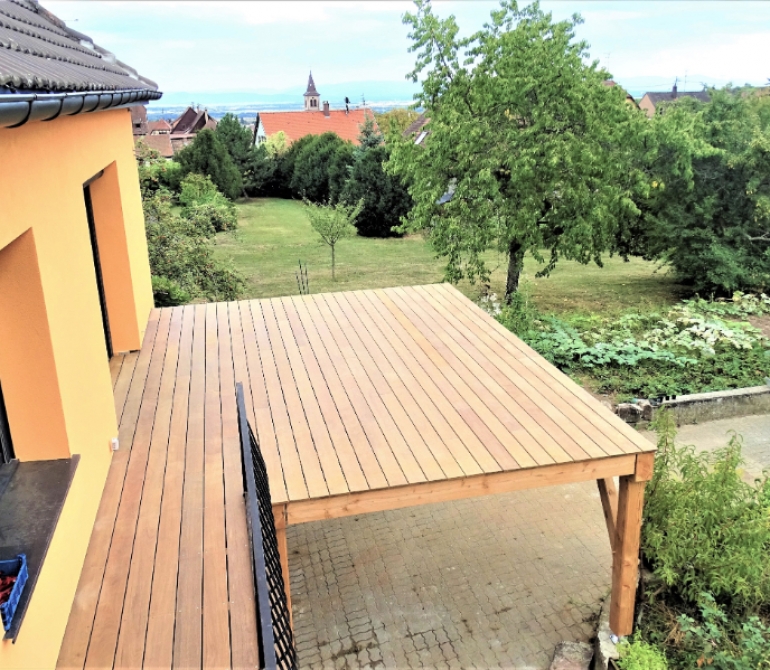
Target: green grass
[274, 235]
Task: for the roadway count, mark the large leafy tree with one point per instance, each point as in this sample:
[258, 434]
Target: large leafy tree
[207, 155]
[708, 214]
[528, 150]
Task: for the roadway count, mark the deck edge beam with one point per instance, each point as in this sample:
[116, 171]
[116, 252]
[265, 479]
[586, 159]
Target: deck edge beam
[352, 504]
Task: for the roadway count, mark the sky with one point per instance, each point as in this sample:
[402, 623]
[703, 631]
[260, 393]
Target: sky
[267, 48]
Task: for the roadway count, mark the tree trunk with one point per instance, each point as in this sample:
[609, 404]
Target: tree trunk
[515, 266]
[333, 278]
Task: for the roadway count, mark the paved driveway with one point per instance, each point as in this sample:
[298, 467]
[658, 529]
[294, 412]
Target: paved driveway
[489, 582]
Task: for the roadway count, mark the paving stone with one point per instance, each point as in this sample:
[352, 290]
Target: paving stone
[486, 582]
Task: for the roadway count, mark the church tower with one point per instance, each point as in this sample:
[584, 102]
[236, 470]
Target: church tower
[312, 96]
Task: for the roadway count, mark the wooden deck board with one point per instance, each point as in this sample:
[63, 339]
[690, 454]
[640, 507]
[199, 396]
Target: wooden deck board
[360, 401]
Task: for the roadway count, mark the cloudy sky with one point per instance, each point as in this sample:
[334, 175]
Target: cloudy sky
[267, 47]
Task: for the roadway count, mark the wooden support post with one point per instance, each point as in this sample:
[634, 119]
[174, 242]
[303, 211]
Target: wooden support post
[279, 514]
[609, 495]
[625, 555]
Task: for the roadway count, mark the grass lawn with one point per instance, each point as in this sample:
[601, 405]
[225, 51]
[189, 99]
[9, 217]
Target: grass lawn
[275, 234]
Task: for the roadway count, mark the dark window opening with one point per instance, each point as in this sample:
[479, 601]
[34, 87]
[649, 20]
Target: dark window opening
[6, 444]
[98, 269]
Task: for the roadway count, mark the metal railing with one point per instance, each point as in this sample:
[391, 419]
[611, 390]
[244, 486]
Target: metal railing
[276, 641]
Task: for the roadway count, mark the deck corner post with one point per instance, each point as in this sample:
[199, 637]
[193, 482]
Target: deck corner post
[625, 555]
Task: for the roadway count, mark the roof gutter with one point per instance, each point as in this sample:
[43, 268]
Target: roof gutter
[16, 109]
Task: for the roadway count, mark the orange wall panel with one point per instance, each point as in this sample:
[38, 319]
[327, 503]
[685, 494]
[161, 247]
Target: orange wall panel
[43, 167]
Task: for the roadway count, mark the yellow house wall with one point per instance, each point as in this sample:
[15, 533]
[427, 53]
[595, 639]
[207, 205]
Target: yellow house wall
[42, 170]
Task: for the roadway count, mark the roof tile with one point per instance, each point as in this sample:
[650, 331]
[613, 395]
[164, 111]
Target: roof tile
[298, 124]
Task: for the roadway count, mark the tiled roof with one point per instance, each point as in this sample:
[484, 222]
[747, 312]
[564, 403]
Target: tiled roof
[668, 96]
[39, 53]
[159, 125]
[192, 120]
[298, 124]
[416, 125]
[161, 143]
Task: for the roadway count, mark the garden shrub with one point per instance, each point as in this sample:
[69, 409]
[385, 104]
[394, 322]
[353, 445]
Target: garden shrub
[206, 206]
[719, 643]
[636, 654]
[182, 258]
[690, 349]
[705, 529]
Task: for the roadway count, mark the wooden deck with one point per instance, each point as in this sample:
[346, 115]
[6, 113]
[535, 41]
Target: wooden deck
[361, 401]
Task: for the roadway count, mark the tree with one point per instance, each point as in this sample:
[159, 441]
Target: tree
[384, 198]
[208, 155]
[310, 177]
[709, 213]
[332, 222]
[237, 140]
[395, 121]
[528, 149]
[204, 204]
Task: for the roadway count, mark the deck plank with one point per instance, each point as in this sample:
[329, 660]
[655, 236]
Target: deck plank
[541, 419]
[428, 401]
[252, 375]
[518, 378]
[240, 579]
[104, 637]
[360, 423]
[216, 629]
[449, 405]
[620, 432]
[310, 429]
[412, 398]
[282, 390]
[188, 640]
[303, 359]
[159, 640]
[136, 605]
[543, 448]
[359, 358]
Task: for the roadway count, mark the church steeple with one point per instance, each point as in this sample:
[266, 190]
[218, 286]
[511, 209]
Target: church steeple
[312, 96]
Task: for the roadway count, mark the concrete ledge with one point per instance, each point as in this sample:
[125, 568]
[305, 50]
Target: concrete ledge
[699, 407]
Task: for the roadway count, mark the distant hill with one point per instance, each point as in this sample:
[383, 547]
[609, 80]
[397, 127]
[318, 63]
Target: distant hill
[373, 91]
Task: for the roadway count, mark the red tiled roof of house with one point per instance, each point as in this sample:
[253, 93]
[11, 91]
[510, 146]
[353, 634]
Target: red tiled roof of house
[298, 124]
[160, 125]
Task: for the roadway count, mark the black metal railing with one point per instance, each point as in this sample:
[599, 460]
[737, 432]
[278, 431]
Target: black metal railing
[276, 641]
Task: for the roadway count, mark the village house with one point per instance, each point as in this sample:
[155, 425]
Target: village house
[74, 290]
[314, 119]
[651, 101]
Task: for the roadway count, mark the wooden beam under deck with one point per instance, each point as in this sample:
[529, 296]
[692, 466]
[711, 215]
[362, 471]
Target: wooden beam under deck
[425, 493]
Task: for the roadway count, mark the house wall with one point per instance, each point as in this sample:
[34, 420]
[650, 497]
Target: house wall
[48, 290]
[647, 105]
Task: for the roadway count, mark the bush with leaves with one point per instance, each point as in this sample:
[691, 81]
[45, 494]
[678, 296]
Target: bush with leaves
[317, 158]
[718, 642]
[181, 257]
[155, 172]
[203, 203]
[692, 348]
[636, 654]
[705, 529]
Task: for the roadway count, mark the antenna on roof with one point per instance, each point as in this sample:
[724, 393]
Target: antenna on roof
[347, 104]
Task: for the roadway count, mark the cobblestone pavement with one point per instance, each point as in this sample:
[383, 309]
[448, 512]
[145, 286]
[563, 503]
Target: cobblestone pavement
[754, 431]
[480, 583]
